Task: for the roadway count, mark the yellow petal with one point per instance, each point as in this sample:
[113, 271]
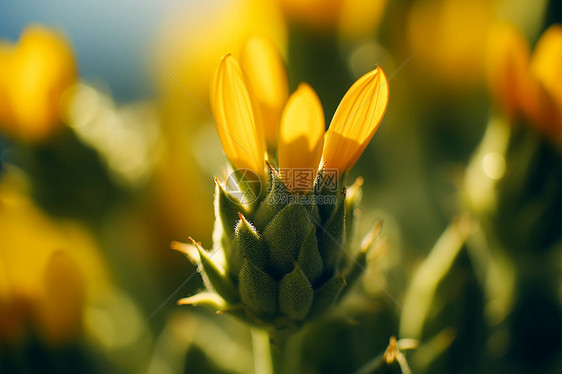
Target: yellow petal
[507, 61]
[356, 120]
[301, 139]
[233, 108]
[546, 67]
[265, 70]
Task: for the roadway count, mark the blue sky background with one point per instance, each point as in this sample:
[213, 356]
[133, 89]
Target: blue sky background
[111, 39]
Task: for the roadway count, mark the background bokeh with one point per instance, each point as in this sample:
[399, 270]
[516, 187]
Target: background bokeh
[108, 152]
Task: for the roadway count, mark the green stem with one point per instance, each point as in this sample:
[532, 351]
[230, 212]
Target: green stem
[263, 362]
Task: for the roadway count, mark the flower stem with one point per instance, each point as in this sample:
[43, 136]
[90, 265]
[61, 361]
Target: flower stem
[263, 363]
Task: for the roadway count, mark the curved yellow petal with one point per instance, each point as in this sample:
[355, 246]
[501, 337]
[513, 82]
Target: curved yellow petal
[301, 135]
[265, 70]
[356, 120]
[233, 108]
[546, 67]
[507, 61]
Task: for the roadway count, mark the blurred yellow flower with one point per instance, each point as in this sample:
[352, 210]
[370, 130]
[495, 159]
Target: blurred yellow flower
[507, 60]
[316, 14]
[352, 19]
[546, 69]
[449, 38]
[48, 270]
[194, 38]
[5, 54]
[360, 18]
[302, 125]
[523, 84]
[34, 74]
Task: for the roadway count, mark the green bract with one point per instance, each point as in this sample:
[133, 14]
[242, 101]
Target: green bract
[284, 259]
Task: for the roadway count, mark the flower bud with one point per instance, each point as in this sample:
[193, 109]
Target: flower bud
[285, 261]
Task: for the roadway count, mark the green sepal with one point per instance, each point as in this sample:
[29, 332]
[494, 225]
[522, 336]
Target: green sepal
[227, 209]
[277, 198]
[284, 236]
[188, 250]
[295, 294]
[258, 290]
[233, 257]
[327, 295]
[206, 298]
[325, 188]
[218, 279]
[251, 247]
[352, 201]
[331, 239]
[311, 204]
[310, 260]
[248, 184]
[310, 197]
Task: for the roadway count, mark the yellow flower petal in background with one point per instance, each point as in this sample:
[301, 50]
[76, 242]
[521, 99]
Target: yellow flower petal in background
[265, 70]
[49, 269]
[449, 39]
[360, 18]
[41, 68]
[60, 310]
[233, 108]
[353, 19]
[539, 106]
[546, 63]
[5, 63]
[507, 61]
[301, 134]
[356, 120]
[546, 67]
[523, 85]
[194, 38]
[319, 15]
